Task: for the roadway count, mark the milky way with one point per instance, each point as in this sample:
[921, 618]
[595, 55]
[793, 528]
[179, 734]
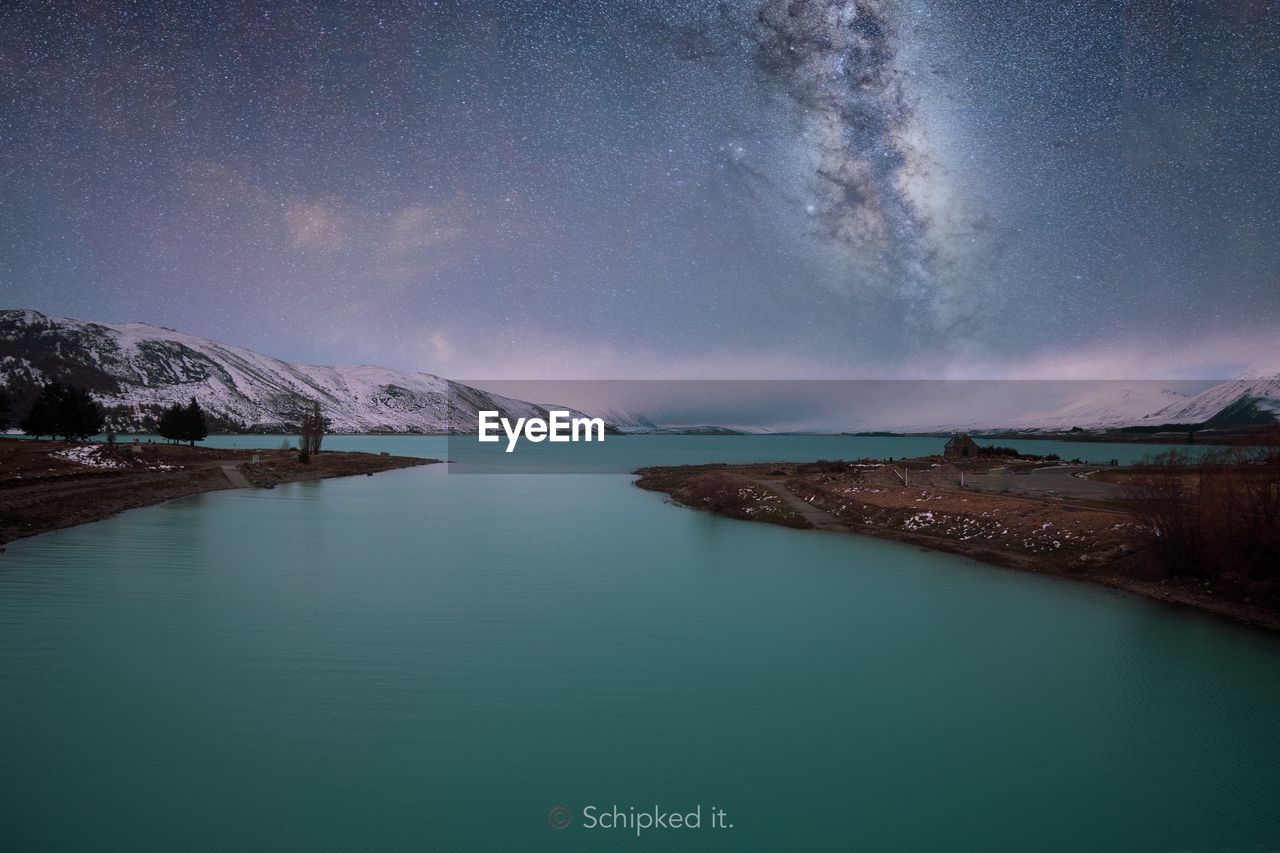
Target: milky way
[837, 60]
[758, 187]
[876, 180]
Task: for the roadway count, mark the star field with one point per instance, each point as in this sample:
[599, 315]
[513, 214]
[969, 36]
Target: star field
[761, 187]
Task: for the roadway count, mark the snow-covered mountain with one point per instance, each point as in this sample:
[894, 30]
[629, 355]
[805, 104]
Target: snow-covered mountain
[1236, 402]
[135, 370]
[1115, 404]
[1239, 401]
[1104, 406]
[624, 421]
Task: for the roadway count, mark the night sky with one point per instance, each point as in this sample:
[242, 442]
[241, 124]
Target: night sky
[670, 188]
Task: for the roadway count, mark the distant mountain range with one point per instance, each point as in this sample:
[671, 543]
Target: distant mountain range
[136, 370]
[1141, 404]
[1106, 406]
[1238, 402]
[1234, 403]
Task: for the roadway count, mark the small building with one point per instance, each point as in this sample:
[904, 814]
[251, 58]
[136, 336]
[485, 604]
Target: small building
[961, 446]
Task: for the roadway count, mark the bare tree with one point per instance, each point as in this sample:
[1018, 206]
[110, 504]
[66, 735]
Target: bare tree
[1166, 506]
[1217, 517]
[314, 425]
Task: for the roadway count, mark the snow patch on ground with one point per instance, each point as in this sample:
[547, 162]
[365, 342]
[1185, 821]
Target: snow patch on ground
[89, 456]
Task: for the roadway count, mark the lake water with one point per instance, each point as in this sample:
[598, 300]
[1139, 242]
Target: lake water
[623, 454]
[427, 661]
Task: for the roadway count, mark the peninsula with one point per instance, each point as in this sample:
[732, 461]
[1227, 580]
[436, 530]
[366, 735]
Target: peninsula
[1070, 521]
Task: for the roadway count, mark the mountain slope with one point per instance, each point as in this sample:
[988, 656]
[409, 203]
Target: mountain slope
[1107, 406]
[625, 421]
[1239, 401]
[135, 370]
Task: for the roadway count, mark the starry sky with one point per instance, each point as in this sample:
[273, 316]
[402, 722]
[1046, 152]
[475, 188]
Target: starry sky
[669, 188]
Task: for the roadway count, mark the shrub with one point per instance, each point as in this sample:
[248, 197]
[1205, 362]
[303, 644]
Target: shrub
[1218, 516]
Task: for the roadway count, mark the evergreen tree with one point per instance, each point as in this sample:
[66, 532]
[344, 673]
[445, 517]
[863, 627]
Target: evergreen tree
[183, 423]
[171, 423]
[78, 414]
[194, 427]
[41, 418]
[64, 410]
[4, 410]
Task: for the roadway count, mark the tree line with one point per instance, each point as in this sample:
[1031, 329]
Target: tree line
[183, 423]
[63, 410]
[71, 412]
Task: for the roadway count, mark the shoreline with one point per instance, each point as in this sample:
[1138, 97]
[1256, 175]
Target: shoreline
[765, 494]
[54, 485]
[1220, 438]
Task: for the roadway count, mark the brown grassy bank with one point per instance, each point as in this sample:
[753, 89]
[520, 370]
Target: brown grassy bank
[1097, 540]
[47, 485]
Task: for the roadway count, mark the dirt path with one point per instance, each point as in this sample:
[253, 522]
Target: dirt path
[819, 518]
[233, 474]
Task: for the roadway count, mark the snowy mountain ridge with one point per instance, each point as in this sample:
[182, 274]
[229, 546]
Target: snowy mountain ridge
[1106, 406]
[136, 369]
[1116, 405]
[1246, 400]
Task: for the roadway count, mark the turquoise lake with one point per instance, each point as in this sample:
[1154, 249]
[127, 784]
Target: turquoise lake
[424, 660]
